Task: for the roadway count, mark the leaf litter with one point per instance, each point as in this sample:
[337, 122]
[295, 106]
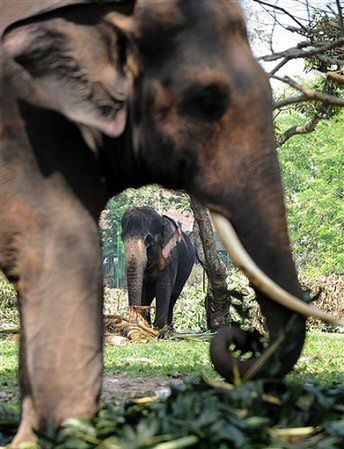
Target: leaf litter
[199, 414]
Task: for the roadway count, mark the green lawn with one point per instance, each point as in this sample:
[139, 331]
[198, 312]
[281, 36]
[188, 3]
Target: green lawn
[322, 362]
[161, 359]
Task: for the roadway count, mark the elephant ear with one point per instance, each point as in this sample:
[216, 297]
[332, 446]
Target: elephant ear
[170, 227]
[79, 70]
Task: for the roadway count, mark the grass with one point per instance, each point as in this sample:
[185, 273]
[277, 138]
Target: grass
[322, 362]
[160, 359]
[311, 409]
[9, 388]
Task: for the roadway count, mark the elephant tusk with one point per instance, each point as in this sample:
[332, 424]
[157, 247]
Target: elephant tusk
[258, 278]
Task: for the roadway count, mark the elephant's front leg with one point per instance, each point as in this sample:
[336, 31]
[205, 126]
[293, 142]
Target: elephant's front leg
[148, 293]
[60, 291]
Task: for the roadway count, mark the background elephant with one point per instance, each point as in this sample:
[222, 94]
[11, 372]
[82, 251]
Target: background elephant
[159, 257]
[100, 96]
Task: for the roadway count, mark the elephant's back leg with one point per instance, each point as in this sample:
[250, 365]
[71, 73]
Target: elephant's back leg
[51, 250]
[186, 259]
[177, 289]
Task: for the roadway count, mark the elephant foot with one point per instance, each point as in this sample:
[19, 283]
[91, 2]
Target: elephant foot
[166, 331]
[28, 422]
[24, 436]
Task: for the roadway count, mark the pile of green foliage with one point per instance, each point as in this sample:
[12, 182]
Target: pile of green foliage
[255, 415]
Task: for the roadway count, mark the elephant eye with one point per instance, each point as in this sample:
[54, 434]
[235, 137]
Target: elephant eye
[106, 111]
[207, 102]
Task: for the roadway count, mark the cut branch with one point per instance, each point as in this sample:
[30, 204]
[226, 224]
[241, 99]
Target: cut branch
[336, 77]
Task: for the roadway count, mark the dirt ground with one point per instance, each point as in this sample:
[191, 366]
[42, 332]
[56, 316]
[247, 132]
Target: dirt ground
[115, 386]
[120, 386]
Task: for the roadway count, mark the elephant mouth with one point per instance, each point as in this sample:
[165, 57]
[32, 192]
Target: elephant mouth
[258, 278]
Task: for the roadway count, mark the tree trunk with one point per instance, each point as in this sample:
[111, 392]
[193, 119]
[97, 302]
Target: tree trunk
[217, 300]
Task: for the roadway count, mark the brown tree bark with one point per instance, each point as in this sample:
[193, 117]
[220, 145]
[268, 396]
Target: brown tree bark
[217, 300]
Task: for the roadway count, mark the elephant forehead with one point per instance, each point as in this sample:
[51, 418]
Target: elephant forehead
[189, 30]
[12, 11]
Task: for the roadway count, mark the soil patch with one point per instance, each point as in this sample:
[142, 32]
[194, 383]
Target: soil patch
[121, 386]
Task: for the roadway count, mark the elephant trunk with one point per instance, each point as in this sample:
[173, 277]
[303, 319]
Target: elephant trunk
[136, 260]
[257, 214]
[280, 356]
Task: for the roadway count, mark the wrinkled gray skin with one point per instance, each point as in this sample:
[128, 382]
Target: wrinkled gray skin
[99, 97]
[151, 271]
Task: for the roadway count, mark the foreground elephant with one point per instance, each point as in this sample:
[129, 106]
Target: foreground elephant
[160, 257]
[100, 96]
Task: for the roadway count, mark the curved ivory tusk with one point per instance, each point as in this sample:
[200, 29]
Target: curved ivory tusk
[258, 278]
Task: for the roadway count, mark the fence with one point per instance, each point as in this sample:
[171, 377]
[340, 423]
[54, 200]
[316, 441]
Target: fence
[114, 265]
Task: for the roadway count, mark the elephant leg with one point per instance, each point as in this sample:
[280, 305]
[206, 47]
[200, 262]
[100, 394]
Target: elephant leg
[59, 281]
[173, 300]
[25, 433]
[181, 278]
[163, 292]
[148, 295]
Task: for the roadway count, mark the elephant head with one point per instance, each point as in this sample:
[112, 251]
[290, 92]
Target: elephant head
[167, 92]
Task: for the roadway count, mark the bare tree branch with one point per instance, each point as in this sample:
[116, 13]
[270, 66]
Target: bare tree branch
[291, 100]
[310, 93]
[330, 61]
[280, 9]
[341, 23]
[322, 32]
[272, 33]
[274, 17]
[305, 128]
[278, 66]
[297, 52]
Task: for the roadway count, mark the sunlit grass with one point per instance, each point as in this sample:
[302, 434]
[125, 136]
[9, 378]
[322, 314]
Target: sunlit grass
[322, 362]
